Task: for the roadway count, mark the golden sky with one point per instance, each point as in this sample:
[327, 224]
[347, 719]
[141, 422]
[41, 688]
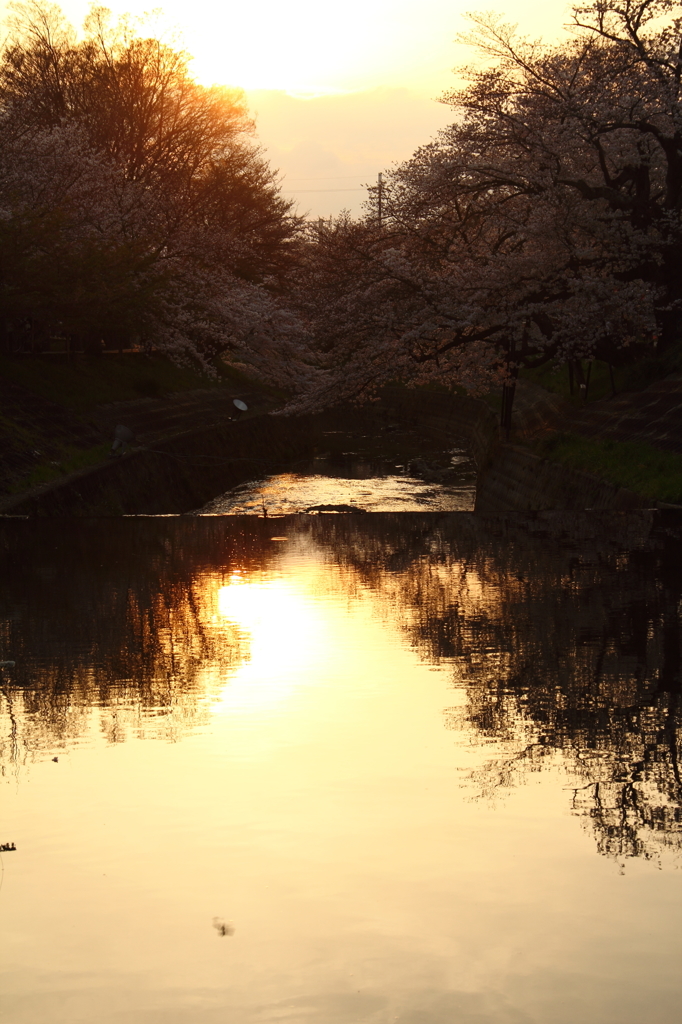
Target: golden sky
[340, 91]
[307, 47]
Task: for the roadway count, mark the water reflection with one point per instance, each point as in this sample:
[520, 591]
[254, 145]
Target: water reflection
[563, 632]
[378, 467]
[228, 728]
[118, 617]
[315, 492]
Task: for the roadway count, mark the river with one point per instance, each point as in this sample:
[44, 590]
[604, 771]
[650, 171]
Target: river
[392, 469]
[341, 769]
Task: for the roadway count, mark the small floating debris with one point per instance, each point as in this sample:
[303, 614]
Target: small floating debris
[7, 847]
[223, 927]
[7, 664]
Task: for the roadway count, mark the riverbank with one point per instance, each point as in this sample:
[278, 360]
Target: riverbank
[512, 476]
[171, 472]
[177, 474]
[622, 451]
[58, 415]
[189, 446]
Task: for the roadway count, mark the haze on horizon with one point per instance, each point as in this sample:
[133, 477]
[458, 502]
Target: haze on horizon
[337, 97]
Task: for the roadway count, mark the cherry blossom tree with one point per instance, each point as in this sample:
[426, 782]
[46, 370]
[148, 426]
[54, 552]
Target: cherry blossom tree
[87, 254]
[542, 225]
[134, 202]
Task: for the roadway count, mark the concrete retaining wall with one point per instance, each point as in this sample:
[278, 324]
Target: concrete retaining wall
[517, 480]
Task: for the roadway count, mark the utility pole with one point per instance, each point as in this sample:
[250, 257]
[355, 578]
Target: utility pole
[380, 185]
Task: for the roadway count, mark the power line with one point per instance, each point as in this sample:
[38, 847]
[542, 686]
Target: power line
[301, 191]
[328, 177]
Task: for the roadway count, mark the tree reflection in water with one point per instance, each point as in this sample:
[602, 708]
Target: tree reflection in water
[563, 629]
[116, 616]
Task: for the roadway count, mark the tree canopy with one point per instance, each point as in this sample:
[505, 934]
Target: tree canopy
[542, 224]
[135, 203]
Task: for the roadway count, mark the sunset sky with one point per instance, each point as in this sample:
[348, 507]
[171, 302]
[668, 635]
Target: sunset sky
[339, 93]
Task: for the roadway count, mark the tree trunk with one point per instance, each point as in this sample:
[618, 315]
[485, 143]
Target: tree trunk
[508, 391]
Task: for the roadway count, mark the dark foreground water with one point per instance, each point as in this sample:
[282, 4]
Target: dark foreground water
[341, 770]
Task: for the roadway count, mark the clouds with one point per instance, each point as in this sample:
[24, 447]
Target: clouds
[328, 147]
[379, 65]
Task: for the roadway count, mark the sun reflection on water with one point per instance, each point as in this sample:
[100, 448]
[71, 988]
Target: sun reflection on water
[285, 632]
[376, 865]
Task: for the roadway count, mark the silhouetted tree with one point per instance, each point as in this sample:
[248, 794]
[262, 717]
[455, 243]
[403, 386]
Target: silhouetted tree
[543, 224]
[160, 218]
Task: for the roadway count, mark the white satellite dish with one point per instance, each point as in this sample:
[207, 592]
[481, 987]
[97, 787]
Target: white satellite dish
[242, 406]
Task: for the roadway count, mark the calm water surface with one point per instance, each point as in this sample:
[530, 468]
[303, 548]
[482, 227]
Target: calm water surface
[341, 770]
[395, 469]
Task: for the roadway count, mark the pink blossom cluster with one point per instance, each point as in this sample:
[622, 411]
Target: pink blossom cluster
[544, 225]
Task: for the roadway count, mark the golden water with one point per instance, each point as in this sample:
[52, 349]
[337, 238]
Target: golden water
[340, 770]
[287, 493]
[366, 479]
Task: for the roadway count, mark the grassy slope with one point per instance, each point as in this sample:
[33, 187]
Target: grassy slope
[84, 383]
[635, 376]
[636, 465]
[45, 427]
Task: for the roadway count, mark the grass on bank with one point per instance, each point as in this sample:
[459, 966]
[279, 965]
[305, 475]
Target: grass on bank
[634, 465]
[36, 450]
[69, 460]
[635, 376]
